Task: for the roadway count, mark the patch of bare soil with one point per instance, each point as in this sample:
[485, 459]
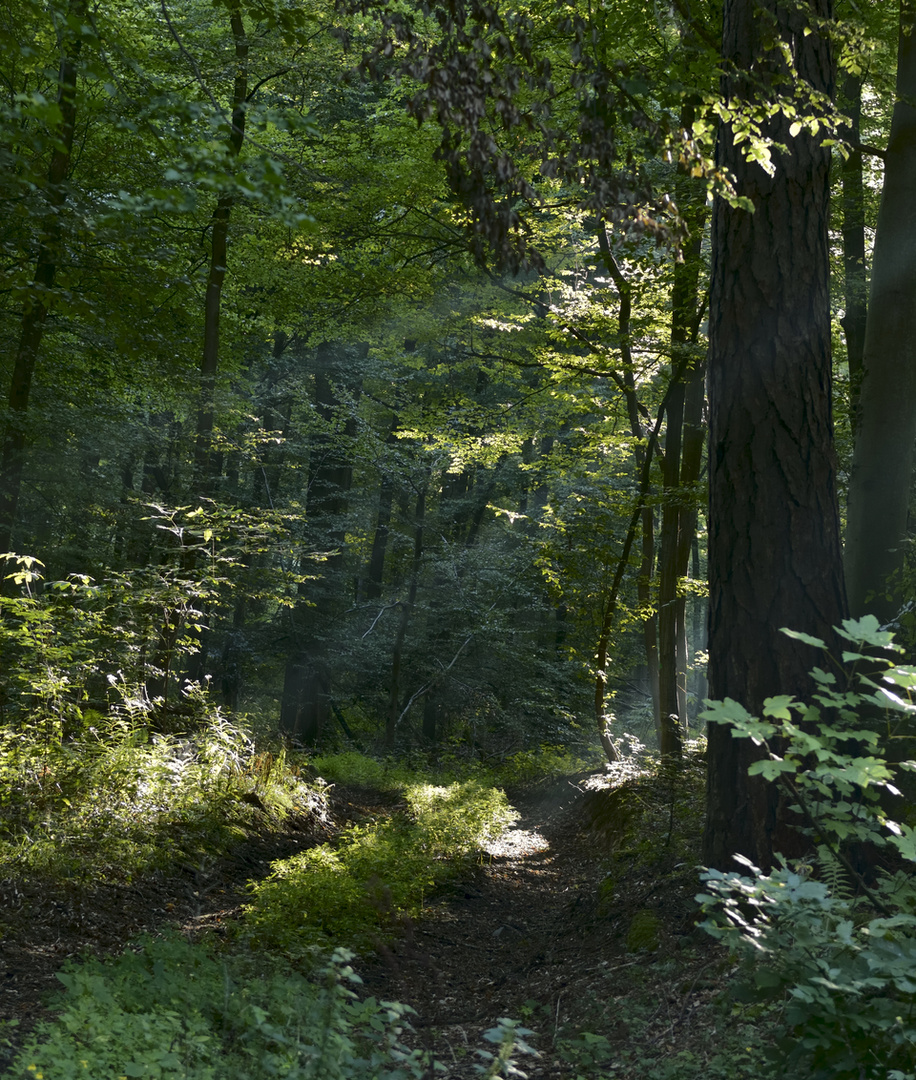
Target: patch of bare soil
[536, 933]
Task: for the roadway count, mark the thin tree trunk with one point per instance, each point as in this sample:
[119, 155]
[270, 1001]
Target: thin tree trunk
[650, 621]
[855, 271]
[216, 275]
[394, 691]
[306, 685]
[646, 570]
[207, 463]
[882, 468]
[694, 439]
[38, 304]
[683, 453]
[610, 604]
[375, 571]
[669, 734]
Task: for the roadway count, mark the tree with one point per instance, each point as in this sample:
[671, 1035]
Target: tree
[882, 470]
[774, 527]
[219, 235]
[38, 297]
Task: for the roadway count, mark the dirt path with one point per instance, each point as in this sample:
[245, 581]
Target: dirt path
[528, 936]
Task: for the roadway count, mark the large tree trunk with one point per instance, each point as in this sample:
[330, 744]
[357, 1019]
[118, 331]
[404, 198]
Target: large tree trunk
[774, 532]
[882, 469]
[37, 305]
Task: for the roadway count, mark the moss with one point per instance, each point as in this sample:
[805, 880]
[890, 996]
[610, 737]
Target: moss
[643, 933]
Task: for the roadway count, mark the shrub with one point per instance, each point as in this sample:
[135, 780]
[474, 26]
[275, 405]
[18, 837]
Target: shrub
[170, 1010]
[176, 1010]
[350, 894]
[115, 800]
[838, 952]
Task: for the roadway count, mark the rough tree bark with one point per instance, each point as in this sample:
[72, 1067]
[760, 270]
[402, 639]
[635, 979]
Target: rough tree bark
[774, 531]
[882, 467]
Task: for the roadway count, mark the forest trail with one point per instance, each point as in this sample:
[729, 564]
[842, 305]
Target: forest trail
[533, 933]
[531, 937]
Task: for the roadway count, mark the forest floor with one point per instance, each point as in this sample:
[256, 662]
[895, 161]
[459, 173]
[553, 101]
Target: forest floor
[579, 922]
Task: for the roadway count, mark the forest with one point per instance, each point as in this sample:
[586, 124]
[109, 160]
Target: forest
[456, 594]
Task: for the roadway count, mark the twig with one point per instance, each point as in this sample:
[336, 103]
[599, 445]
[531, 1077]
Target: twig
[387, 607]
[432, 682]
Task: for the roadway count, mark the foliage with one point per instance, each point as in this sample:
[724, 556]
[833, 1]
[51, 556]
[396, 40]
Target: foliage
[122, 643]
[352, 893]
[526, 767]
[115, 800]
[351, 767]
[837, 950]
[509, 1037]
[518, 769]
[172, 1009]
[648, 1023]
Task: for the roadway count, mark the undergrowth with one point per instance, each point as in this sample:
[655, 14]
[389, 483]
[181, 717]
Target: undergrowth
[519, 769]
[356, 891]
[115, 800]
[170, 1009]
[828, 943]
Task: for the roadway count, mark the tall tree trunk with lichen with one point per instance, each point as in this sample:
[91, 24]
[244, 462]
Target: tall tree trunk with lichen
[855, 271]
[647, 514]
[680, 471]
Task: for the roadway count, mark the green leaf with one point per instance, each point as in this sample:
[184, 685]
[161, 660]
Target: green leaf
[779, 707]
[807, 639]
[825, 678]
[772, 768]
[905, 843]
[867, 631]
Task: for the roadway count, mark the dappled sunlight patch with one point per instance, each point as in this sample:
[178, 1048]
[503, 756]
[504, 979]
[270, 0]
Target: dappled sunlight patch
[514, 843]
[112, 803]
[357, 891]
